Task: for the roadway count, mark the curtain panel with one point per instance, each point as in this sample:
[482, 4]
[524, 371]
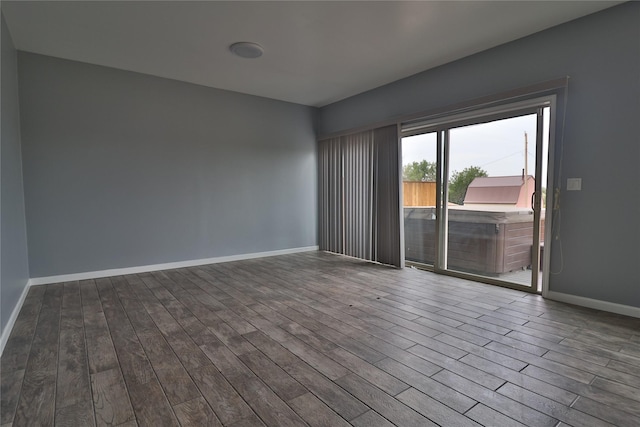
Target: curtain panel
[359, 195]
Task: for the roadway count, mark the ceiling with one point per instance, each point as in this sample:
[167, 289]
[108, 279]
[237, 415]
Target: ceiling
[316, 53]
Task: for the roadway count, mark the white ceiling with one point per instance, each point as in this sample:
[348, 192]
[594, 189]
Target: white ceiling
[316, 53]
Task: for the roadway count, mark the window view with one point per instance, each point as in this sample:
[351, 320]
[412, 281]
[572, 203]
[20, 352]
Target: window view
[488, 218]
[419, 160]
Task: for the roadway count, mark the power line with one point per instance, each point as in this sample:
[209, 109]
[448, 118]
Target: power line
[501, 158]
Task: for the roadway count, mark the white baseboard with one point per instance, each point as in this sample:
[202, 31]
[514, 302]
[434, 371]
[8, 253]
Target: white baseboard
[611, 307]
[14, 316]
[166, 266]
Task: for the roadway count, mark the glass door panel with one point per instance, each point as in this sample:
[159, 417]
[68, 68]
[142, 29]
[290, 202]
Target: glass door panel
[491, 181]
[419, 173]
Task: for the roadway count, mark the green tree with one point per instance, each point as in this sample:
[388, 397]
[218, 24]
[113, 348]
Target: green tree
[419, 171]
[460, 181]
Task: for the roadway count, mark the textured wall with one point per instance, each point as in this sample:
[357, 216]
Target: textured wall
[14, 269]
[123, 169]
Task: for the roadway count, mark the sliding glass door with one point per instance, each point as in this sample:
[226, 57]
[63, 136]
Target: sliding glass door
[491, 186]
[474, 194]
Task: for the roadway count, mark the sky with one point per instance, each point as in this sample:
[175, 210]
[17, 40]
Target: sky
[497, 147]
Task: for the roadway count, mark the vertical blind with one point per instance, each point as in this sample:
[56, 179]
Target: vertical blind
[359, 195]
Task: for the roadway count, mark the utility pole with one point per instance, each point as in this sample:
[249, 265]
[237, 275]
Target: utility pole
[526, 165]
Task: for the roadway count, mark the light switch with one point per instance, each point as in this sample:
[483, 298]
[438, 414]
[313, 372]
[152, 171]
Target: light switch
[574, 184]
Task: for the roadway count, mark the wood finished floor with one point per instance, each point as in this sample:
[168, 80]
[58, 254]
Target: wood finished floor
[313, 339]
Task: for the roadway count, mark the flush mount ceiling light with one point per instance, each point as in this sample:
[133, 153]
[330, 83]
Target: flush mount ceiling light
[247, 50]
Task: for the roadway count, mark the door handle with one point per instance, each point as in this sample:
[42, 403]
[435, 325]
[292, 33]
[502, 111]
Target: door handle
[533, 198]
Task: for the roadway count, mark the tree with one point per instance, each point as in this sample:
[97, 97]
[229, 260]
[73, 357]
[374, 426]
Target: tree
[419, 171]
[460, 181]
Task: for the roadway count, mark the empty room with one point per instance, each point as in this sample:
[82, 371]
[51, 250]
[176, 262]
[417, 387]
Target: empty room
[369, 213]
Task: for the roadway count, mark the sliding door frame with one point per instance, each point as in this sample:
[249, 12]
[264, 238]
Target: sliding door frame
[441, 124]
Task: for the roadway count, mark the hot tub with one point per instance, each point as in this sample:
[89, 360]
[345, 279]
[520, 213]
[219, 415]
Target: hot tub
[490, 241]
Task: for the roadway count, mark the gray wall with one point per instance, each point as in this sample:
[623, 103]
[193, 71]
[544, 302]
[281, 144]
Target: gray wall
[601, 224]
[14, 270]
[123, 169]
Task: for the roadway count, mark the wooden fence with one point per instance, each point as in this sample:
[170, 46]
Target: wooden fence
[418, 193]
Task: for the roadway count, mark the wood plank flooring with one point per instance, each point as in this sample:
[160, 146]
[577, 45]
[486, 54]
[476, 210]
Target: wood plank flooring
[313, 339]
